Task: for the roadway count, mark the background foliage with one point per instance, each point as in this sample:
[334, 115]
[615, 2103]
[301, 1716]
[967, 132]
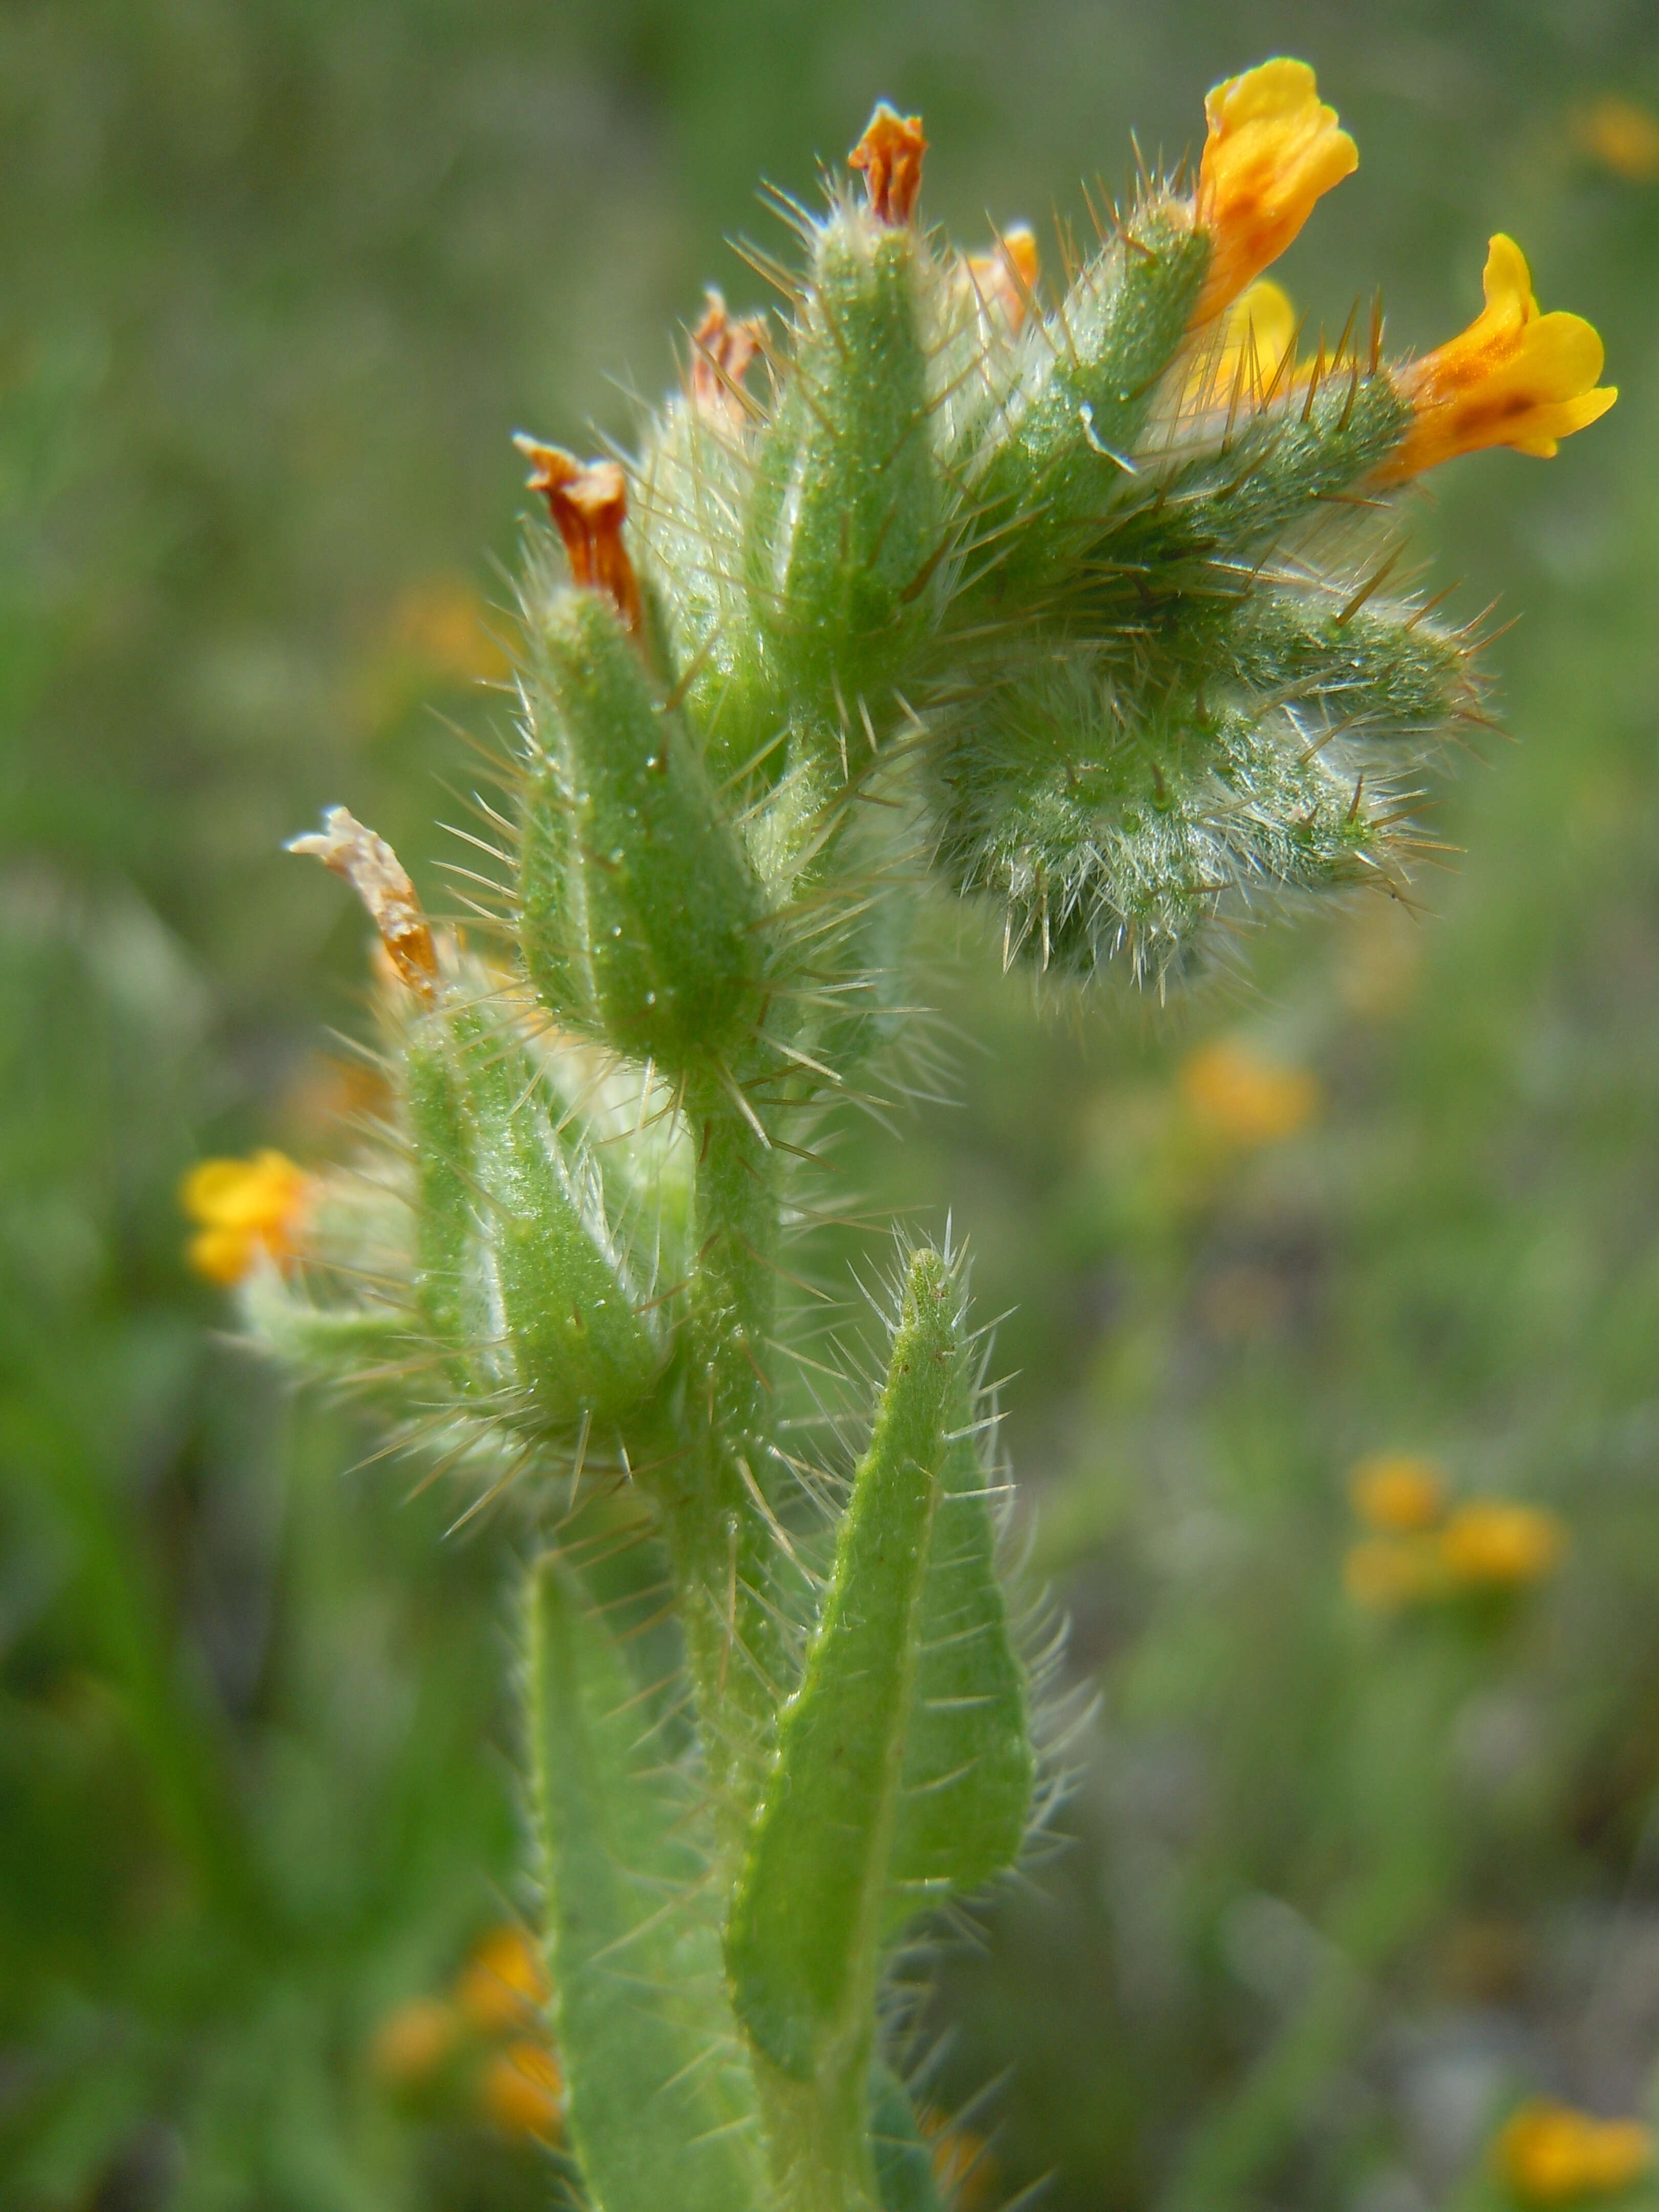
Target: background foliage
[278, 280]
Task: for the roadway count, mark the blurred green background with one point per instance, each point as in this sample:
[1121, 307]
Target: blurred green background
[1343, 1886]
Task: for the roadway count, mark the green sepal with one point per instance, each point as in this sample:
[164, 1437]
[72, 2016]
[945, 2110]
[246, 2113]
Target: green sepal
[905, 2180]
[659, 2102]
[844, 530]
[1275, 469]
[1388, 672]
[520, 1279]
[803, 1942]
[637, 902]
[965, 1787]
[1062, 455]
[336, 1342]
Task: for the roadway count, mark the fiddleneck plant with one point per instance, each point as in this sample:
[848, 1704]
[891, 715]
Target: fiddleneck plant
[1072, 602]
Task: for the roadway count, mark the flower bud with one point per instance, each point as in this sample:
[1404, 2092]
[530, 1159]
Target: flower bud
[846, 525]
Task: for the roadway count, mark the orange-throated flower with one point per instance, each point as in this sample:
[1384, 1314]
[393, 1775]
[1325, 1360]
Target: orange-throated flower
[1273, 148]
[1514, 378]
[246, 1211]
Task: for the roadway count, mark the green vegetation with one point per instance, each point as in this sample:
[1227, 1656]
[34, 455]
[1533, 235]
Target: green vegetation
[1345, 1879]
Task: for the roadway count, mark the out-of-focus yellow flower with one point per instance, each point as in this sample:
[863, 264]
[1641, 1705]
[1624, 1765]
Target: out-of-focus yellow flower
[1515, 377]
[412, 2043]
[963, 2167]
[1273, 148]
[1248, 360]
[445, 625]
[503, 1984]
[1396, 1494]
[1551, 2154]
[522, 2090]
[1243, 1098]
[1493, 1544]
[1006, 279]
[247, 1209]
[1386, 1573]
[1622, 135]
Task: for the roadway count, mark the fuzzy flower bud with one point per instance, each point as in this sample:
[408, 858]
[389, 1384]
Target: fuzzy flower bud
[1273, 149]
[1514, 378]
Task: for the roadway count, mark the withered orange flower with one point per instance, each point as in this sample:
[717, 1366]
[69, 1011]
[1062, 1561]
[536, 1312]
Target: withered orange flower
[1514, 378]
[1273, 149]
[588, 502]
[890, 154]
[721, 351]
[247, 1209]
[377, 875]
[1007, 278]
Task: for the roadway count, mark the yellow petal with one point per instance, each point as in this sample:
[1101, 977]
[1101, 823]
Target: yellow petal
[1273, 149]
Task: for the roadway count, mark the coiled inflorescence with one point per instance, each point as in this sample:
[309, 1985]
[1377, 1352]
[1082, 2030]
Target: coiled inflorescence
[1075, 603]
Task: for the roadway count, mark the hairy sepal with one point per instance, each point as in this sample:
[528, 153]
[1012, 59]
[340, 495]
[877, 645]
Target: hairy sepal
[844, 529]
[637, 904]
[520, 1277]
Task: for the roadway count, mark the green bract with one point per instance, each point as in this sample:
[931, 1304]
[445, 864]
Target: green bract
[1076, 610]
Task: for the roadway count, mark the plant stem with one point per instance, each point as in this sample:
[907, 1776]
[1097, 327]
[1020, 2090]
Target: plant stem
[720, 1539]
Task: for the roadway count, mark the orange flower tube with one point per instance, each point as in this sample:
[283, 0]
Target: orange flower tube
[1514, 378]
[1273, 149]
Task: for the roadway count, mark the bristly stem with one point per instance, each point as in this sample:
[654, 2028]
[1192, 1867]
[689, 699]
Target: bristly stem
[721, 1542]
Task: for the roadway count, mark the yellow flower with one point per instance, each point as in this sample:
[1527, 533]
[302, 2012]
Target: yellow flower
[1272, 148]
[1243, 1098]
[1006, 279]
[1383, 1573]
[1550, 2154]
[503, 1983]
[1256, 338]
[1623, 136]
[1397, 1494]
[248, 1210]
[1514, 378]
[1491, 1544]
[523, 2090]
[412, 2043]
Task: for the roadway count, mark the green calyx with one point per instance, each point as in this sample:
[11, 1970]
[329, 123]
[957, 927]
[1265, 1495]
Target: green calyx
[637, 906]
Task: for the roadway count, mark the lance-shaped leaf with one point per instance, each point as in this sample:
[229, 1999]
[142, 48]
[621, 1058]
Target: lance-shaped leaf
[969, 1767]
[658, 2108]
[803, 1944]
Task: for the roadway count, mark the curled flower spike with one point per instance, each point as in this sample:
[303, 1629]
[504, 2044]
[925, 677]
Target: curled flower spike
[1273, 149]
[588, 502]
[721, 351]
[376, 874]
[248, 1210]
[1007, 279]
[1549, 2153]
[1514, 378]
[890, 154]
